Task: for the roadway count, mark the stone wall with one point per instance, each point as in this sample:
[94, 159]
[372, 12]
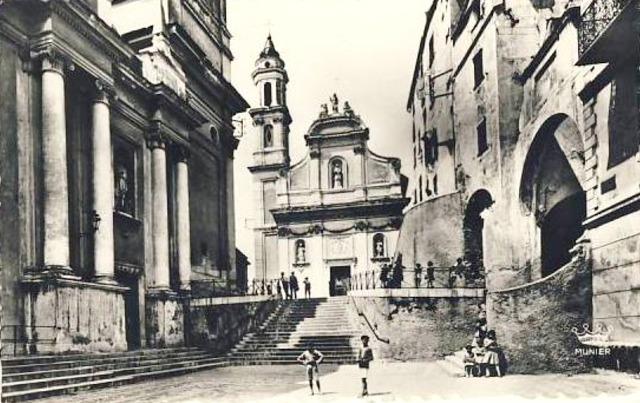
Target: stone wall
[66, 315]
[165, 321]
[432, 231]
[533, 322]
[419, 328]
[219, 326]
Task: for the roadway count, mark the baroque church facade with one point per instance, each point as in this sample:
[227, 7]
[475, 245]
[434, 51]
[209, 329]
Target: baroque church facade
[335, 213]
[117, 169]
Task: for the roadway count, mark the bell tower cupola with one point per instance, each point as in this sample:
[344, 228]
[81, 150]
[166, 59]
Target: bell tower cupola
[271, 118]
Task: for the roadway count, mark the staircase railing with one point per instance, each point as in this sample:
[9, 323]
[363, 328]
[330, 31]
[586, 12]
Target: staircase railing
[373, 330]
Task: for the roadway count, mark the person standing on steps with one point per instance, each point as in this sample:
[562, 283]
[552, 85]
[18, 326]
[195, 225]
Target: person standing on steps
[307, 288]
[293, 283]
[311, 358]
[365, 356]
[285, 285]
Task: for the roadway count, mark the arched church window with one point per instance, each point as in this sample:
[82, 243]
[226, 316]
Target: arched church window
[378, 245]
[301, 251]
[268, 136]
[337, 174]
[267, 94]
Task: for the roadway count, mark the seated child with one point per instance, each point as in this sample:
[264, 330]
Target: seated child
[469, 361]
[479, 353]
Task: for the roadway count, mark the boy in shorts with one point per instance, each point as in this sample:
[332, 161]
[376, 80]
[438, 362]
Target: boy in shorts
[365, 356]
[310, 358]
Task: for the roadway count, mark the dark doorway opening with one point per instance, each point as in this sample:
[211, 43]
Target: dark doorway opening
[339, 280]
[560, 230]
[131, 309]
[473, 226]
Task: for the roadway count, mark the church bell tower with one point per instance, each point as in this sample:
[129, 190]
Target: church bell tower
[271, 120]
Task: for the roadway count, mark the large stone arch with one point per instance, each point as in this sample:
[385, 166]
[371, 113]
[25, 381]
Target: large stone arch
[551, 190]
[566, 133]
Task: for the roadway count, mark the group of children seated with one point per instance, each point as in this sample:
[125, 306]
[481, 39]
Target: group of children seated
[483, 356]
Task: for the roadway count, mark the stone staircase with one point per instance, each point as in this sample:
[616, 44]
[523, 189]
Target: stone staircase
[325, 322]
[31, 377]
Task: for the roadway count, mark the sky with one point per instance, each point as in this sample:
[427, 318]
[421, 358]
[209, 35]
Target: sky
[363, 50]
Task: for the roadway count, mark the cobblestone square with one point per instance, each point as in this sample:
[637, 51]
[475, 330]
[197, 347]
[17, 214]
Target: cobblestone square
[388, 382]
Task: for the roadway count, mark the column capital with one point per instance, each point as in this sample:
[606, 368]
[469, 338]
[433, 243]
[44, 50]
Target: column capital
[53, 60]
[103, 92]
[156, 139]
[181, 152]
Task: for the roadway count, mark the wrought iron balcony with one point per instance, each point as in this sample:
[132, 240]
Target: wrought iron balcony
[605, 31]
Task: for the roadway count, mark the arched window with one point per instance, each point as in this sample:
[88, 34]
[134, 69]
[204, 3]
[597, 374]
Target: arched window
[267, 94]
[379, 246]
[301, 251]
[337, 173]
[279, 93]
[268, 136]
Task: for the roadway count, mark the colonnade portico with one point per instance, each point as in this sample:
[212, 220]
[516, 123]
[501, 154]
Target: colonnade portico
[56, 187]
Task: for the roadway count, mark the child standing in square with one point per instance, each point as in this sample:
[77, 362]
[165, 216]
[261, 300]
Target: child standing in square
[310, 359]
[365, 356]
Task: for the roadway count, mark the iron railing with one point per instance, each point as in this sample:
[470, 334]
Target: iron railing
[443, 277]
[595, 20]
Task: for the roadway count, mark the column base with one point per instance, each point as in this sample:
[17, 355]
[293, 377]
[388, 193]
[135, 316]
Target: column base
[53, 271]
[106, 280]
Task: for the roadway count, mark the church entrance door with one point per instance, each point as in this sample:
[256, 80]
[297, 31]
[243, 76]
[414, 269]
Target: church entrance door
[339, 278]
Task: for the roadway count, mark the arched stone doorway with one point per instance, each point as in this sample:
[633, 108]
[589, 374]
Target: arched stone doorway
[473, 227]
[551, 192]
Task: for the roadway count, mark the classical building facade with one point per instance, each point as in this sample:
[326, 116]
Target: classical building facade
[545, 175]
[333, 214]
[117, 168]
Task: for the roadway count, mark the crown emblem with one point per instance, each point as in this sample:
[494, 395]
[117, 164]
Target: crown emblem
[600, 334]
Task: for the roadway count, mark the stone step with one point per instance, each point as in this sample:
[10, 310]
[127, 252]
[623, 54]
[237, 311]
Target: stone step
[451, 369]
[32, 359]
[83, 368]
[72, 361]
[111, 381]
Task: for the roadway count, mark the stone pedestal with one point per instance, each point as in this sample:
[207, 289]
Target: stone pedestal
[102, 189]
[164, 319]
[54, 166]
[73, 316]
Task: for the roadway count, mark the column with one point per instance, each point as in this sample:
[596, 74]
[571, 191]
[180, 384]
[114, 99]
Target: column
[231, 217]
[160, 212]
[54, 156]
[183, 225]
[102, 181]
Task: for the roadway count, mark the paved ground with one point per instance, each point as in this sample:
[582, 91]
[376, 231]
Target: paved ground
[388, 382]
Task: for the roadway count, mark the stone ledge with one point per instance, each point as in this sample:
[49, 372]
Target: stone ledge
[196, 302]
[420, 293]
[69, 281]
